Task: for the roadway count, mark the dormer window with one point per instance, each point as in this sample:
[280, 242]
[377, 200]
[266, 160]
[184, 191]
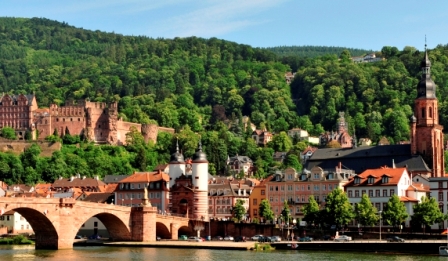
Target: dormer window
[303, 177]
[371, 180]
[278, 178]
[385, 179]
[357, 180]
[316, 176]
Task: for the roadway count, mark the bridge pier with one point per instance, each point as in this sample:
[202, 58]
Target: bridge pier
[174, 229]
[143, 224]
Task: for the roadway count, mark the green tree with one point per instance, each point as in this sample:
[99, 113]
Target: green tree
[365, 212]
[394, 213]
[281, 142]
[8, 133]
[293, 162]
[311, 211]
[286, 212]
[239, 211]
[265, 211]
[427, 212]
[338, 208]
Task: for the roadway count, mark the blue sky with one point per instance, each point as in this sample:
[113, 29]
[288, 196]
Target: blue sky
[259, 23]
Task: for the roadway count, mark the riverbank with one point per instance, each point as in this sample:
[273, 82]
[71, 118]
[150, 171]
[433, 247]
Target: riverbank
[421, 247]
[222, 245]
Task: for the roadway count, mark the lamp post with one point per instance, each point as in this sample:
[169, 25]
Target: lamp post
[294, 225]
[380, 222]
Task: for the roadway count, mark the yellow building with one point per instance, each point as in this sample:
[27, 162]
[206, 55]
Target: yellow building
[255, 198]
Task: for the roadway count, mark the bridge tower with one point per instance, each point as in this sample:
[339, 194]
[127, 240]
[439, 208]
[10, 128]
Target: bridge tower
[177, 165]
[200, 184]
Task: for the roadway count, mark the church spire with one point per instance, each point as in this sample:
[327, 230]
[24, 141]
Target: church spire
[426, 88]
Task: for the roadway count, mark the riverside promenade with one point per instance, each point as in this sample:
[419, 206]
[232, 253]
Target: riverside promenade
[223, 245]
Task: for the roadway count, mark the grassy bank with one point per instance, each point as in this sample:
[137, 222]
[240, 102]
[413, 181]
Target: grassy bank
[16, 240]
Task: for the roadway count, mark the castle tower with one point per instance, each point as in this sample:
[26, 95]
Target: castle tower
[426, 132]
[200, 184]
[177, 165]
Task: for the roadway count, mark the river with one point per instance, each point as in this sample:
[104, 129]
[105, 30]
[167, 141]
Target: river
[18, 253]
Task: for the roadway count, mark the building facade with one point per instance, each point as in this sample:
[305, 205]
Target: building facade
[382, 183]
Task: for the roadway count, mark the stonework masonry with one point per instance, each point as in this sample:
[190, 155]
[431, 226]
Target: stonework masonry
[96, 121]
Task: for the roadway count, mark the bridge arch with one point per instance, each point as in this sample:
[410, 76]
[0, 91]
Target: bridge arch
[45, 233]
[163, 231]
[115, 221]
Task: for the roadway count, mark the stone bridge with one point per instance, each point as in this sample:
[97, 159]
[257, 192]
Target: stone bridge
[56, 221]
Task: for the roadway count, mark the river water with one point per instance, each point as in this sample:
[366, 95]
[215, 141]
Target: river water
[18, 253]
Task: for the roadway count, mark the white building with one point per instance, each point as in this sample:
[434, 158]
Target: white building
[439, 191]
[380, 184]
[15, 223]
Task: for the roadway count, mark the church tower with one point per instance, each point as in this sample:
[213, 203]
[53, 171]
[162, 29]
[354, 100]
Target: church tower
[426, 132]
[200, 184]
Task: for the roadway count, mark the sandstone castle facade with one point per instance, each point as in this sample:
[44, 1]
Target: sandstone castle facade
[96, 121]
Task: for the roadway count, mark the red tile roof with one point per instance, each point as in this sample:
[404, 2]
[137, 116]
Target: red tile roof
[394, 175]
[146, 177]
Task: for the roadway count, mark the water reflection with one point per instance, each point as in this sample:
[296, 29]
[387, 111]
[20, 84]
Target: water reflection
[168, 254]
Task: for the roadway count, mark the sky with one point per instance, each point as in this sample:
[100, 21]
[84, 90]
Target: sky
[362, 24]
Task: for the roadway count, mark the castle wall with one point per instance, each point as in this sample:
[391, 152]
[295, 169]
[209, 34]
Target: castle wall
[123, 128]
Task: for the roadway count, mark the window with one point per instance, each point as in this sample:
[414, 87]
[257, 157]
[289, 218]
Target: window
[391, 193]
[297, 188]
[316, 187]
[316, 175]
[377, 193]
[309, 187]
[95, 224]
[262, 192]
[330, 187]
[255, 201]
[370, 193]
[350, 194]
[363, 192]
[423, 112]
[271, 199]
[384, 192]
[324, 187]
[255, 212]
[440, 184]
[440, 196]
[357, 180]
[385, 179]
[271, 188]
[378, 206]
[289, 187]
[282, 188]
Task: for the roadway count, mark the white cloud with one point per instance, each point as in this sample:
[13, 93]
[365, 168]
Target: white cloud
[214, 18]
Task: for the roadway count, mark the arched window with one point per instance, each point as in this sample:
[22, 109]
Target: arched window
[423, 112]
[430, 112]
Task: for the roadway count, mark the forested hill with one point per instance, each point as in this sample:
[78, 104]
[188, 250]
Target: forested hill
[315, 51]
[202, 86]
[199, 82]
